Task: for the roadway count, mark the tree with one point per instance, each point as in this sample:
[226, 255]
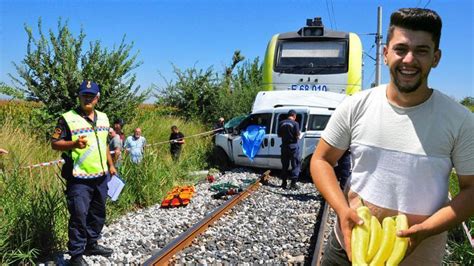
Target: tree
[193, 94]
[468, 102]
[55, 64]
[236, 58]
[246, 83]
[8, 90]
[207, 95]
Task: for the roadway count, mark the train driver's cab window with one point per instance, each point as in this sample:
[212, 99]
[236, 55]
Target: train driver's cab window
[264, 119]
[312, 57]
[300, 118]
[318, 122]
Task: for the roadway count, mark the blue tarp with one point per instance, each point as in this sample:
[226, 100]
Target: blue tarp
[252, 137]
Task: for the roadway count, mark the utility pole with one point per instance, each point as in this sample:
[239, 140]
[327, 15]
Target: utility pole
[378, 41]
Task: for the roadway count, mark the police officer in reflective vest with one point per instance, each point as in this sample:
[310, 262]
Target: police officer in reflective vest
[289, 132]
[82, 136]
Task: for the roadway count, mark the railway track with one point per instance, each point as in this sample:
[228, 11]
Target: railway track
[269, 226]
[236, 232]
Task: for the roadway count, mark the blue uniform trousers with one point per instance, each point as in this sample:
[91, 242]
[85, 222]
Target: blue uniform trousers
[290, 154]
[343, 169]
[86, 204]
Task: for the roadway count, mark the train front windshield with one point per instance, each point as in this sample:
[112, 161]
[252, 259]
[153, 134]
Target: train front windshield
[310, 57]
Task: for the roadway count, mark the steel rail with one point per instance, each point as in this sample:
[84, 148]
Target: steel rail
[318, 247]
[186, 238]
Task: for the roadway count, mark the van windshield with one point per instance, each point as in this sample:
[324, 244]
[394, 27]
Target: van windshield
[257, 119]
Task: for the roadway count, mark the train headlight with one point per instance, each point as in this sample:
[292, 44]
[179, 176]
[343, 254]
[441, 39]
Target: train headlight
[314, 27]
[313, 31]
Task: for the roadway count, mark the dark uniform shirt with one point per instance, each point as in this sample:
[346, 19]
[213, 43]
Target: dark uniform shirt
[176, 136]
[288, 130]
[219, 126]
[62, 132]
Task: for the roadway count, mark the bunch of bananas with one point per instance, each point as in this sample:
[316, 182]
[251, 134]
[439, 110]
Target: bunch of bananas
[373, 244]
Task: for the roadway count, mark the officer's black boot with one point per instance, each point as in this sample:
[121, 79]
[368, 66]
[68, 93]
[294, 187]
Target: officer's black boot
[293, 185]
[77, 261]
[283, 183]
[96, 249]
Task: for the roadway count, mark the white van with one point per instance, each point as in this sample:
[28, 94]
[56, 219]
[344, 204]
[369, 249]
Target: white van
[270, 107]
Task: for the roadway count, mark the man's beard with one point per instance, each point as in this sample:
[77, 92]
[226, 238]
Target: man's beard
[87, 109]
[408, 87]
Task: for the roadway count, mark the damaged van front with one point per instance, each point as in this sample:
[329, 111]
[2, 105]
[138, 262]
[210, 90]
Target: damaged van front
[270, 107]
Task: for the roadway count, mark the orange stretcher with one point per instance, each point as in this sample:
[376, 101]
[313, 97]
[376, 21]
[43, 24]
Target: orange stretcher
[178, 196]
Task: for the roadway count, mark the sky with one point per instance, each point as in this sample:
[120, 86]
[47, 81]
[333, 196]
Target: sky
[203, 34]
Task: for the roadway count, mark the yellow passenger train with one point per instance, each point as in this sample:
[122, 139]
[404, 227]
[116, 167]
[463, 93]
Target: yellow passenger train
[314, 59]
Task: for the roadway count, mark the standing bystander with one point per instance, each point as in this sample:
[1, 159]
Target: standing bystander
[135, 145]
[118, 127]
[115, 147]
[176, 140]
[219, 126]
[289, 132]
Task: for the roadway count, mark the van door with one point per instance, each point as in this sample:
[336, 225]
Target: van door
[260, 160]
[274, 150]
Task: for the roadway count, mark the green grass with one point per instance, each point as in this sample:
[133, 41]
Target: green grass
[32, 210]
[460, 251]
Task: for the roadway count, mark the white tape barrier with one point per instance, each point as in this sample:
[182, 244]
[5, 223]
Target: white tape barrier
[61, 161]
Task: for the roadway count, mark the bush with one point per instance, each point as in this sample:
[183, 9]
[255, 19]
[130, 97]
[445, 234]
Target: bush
[207, 95]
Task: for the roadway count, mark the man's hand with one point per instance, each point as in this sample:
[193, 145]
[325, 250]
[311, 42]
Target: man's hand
[416, 233]
[112, 170]
[348, 220]
[81, 142]
[2, 151]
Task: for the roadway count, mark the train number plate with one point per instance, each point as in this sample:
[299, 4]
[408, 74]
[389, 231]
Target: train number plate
[308, 87]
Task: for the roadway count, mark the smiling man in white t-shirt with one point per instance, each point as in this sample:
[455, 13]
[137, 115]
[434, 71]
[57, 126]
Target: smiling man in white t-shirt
[404, 139]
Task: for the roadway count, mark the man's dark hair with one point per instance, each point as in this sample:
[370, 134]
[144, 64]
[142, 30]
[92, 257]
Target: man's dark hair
[416, 19]
[174, 127]
[292, 113]
[119, 121]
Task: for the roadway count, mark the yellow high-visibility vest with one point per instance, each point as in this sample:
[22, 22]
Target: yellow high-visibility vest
[90, 162]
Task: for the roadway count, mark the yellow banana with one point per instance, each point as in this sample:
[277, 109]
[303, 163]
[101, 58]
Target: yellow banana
[401, 243]
[375, 238]
[360, 237]
[387, 242]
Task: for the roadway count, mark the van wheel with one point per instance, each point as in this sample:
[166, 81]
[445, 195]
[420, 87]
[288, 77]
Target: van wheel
[220, 159]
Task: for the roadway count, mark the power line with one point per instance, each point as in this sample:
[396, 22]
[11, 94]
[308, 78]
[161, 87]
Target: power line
[370, 77]
[333, 15]
[429, 1]
[329, 14]
[368, 53]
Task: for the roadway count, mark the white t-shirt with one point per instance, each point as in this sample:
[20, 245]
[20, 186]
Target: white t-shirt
[402, 157]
